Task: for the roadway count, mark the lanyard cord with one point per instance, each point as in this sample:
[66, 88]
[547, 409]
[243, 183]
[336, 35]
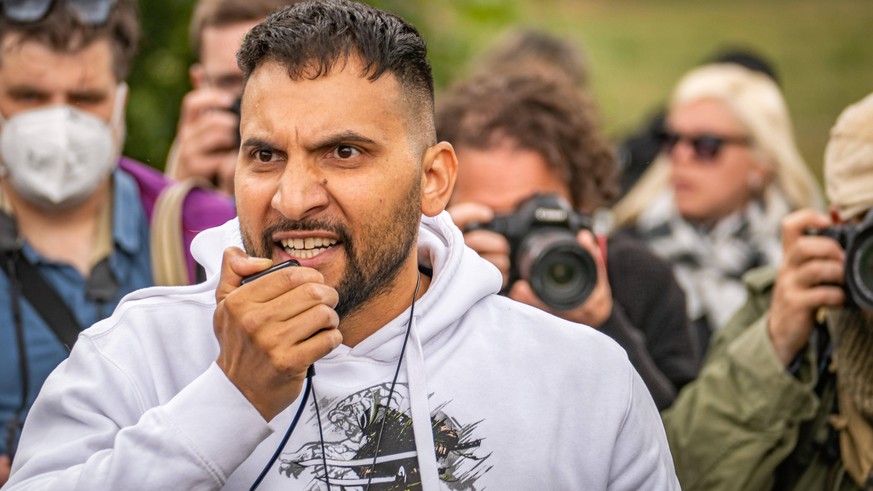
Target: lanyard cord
[321, 439]
[309, 374]
[309, 388]
[393, 383]
[13, 425]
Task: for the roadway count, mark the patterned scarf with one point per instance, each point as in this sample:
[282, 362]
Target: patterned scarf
[709, 262]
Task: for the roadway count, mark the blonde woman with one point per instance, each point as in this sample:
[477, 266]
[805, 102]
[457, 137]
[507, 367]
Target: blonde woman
[712, 202]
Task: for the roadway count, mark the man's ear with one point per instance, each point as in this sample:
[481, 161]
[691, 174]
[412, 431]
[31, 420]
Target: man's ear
[439, 171]
[197, 75]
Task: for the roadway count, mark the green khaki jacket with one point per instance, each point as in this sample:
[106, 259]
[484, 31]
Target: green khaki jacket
[746, 423]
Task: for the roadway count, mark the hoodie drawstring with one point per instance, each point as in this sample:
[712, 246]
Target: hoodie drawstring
[422, 426]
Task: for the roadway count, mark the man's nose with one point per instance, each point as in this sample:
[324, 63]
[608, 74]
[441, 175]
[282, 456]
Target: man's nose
[301, 192]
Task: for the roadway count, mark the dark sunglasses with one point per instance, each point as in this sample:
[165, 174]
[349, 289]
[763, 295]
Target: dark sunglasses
[705, 146]
[92, 12]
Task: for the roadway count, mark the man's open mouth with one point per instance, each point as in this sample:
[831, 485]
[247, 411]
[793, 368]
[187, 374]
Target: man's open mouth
[307, 248]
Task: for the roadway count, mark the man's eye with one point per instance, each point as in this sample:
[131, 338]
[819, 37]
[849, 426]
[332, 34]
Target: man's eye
[264, 155]
[346, 151]
[29, 97]
[86, 100]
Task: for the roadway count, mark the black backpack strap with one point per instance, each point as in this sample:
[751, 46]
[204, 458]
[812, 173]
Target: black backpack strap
[50, 306]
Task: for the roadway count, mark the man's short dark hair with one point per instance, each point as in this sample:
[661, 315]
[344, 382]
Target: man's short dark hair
[221, 13]
[63, 31]
[310, 38]
[547, 115]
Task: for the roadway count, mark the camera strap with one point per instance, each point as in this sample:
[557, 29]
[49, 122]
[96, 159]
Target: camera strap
[44, 299]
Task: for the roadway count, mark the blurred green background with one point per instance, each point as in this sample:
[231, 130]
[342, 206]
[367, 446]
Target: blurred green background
[637, 50]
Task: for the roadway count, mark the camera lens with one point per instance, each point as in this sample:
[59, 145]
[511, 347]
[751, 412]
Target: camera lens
[561, 274]
[559, 270]
[860, 270]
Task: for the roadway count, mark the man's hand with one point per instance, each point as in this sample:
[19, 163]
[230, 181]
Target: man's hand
[597, 307]
[272, 329]
[490, 245]
[810, 276]
[495, 248]
[206, 140]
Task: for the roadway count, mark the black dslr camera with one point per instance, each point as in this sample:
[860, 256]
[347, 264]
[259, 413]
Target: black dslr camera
[857, 241]
[544, 251]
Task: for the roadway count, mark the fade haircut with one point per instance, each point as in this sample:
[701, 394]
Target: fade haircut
[309, 39]
[544, 114]
[221, 13]
[62, 31]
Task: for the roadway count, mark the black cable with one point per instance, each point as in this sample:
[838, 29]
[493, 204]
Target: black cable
[15, 293]
[321, 438]
[393, 383]
[309, 374]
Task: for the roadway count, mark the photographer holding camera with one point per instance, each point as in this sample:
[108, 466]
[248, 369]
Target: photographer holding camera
[784, 398]
[530, 154]
[207, 137]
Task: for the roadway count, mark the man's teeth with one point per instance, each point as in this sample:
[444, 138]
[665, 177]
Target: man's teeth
[308, 247]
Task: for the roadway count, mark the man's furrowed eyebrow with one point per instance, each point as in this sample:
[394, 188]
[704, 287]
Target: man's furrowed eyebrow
[26, 90]
[258, 142]
[346, 137]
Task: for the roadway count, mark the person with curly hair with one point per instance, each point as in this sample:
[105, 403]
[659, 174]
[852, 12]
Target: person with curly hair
[519, 133]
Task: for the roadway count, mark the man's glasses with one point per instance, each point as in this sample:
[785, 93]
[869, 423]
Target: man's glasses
[706, 146]
[92, 12]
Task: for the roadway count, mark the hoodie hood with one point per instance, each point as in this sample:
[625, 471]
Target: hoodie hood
[440, 248]
[460, 279]
[208, 247]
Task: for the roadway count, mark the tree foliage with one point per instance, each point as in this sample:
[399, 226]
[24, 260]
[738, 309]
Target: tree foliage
[159, 78]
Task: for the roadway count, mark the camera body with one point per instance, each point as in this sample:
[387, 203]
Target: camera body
[857, 241]
[543, 250]
[235, 110]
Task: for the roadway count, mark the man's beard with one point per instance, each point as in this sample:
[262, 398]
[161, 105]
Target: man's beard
[373, 258]
[852, 330]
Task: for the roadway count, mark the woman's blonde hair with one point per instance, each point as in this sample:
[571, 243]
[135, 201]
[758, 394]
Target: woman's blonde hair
[757, 103]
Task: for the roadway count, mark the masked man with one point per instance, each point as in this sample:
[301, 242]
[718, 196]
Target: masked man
[784, 398]
[75, 217]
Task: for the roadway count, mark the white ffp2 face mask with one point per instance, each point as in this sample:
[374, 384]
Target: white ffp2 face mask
[57, 156]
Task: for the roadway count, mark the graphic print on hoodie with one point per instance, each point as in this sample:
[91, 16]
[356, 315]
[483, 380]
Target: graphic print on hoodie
[356, 421]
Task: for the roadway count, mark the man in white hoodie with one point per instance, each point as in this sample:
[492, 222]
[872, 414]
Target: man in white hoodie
[424, 377]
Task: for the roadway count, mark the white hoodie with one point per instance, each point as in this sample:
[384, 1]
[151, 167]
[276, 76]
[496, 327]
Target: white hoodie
[505, 396]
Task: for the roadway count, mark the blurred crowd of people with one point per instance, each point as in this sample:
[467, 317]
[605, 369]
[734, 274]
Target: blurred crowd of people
[702, 245]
